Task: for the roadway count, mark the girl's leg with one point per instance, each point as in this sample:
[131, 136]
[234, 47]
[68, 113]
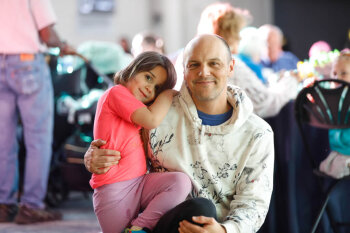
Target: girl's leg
[161, 192]
[115, 205]
[185, 211]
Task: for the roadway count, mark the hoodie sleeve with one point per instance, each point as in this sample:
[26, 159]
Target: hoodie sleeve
[267, 100]
[254, 188]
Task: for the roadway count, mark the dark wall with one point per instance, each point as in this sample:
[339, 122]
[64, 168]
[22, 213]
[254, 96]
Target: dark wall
[306, 21]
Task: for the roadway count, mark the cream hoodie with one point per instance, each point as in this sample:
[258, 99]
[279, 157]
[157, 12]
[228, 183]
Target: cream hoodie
[230, 164]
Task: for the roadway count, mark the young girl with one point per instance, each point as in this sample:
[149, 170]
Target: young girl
[337, 164]
[126, 196]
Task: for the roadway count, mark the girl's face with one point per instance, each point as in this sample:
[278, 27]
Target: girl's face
[341, 69]
[144, 84]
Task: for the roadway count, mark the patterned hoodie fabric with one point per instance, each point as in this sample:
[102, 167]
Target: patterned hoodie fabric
[230, 164]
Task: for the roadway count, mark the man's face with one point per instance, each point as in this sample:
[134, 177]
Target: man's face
[207, 67]
[274, 44]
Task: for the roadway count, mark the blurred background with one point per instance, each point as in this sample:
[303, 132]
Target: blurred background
[96, 28]
[303, 22]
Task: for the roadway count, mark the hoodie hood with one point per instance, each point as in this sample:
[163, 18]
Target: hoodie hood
[241, 104]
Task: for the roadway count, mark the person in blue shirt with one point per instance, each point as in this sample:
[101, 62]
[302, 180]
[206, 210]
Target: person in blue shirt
[275, 58]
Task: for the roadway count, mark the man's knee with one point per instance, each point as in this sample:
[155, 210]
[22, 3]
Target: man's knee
[185, 211]
[200, 207]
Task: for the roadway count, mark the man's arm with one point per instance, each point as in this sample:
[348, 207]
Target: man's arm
[251, 200]
[50, 37]
[99, 161]
[150, 117]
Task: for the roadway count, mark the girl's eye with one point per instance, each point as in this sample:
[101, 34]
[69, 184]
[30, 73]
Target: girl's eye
[148, 77]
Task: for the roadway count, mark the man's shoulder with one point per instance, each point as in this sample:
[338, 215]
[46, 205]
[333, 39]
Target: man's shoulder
[258, 121]
[258, 125]
[247, 118]
[287, 55]
[238, 97]
[175, 110]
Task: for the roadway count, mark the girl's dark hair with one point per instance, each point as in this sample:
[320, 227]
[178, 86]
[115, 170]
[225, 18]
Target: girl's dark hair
[147, 61]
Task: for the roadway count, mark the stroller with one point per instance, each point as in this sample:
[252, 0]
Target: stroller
[76, 91]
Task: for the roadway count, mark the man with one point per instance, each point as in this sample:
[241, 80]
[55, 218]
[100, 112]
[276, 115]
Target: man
[26, 90]
[211, 134]
[146, 41]
[276, 58]
[223, 19]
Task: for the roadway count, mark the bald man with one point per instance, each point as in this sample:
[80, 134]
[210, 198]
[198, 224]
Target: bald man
[276, 58]
[211, 134]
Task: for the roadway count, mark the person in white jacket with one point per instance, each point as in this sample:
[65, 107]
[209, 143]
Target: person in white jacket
[211, 134]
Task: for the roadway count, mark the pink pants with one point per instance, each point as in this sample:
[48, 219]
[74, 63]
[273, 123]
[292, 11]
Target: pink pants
[140, 201]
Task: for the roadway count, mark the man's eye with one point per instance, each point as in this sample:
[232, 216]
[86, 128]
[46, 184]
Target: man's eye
[193, 65]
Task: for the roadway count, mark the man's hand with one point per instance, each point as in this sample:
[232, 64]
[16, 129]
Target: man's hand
[210, 225]
[66, 49]
[99, 161]
[50, 37]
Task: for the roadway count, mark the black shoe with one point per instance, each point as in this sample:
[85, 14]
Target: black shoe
[28, 215]
[8, 212]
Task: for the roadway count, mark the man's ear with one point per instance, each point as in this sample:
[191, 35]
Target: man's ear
[232, 64]
[233, 61]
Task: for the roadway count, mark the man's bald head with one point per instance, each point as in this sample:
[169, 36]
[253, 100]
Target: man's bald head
[206, 38]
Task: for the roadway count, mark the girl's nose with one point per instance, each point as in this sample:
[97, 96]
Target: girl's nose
[149, 88]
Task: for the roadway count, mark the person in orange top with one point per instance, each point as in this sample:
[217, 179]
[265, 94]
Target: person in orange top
[126, 196]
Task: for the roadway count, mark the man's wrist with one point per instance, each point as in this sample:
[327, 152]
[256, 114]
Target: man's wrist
[63, 46]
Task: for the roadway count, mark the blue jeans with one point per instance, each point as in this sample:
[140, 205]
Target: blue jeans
[26, 91]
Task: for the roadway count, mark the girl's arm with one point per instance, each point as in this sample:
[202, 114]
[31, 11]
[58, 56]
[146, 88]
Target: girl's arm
[150, 117]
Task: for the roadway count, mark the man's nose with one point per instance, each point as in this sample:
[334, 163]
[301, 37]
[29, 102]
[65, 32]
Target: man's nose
[204, 71]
